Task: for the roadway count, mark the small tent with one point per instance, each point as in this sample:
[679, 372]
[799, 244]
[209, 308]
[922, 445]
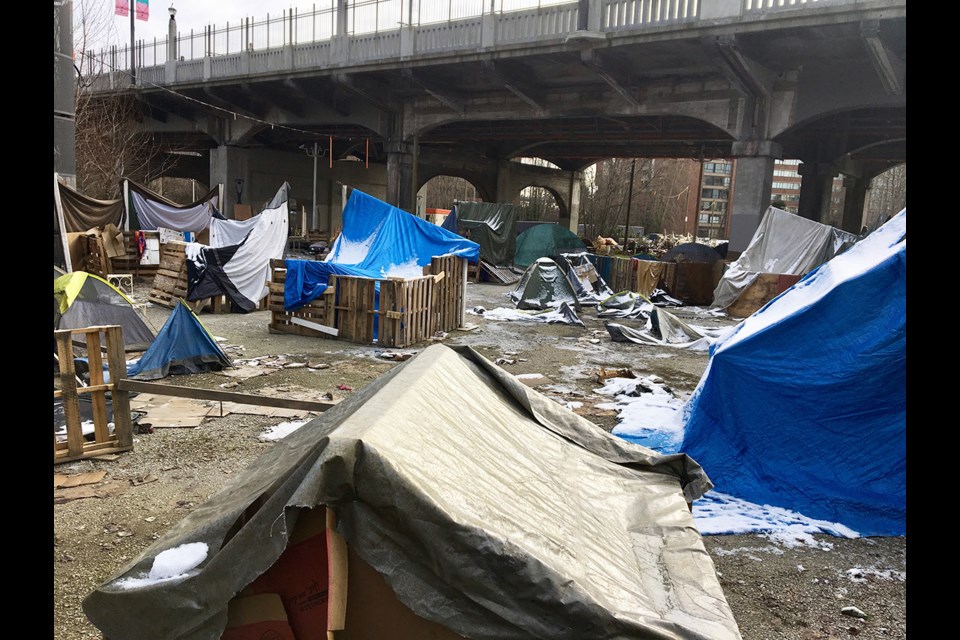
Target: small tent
[544, 240]
[81, 299]
[544, 285]
[183, 346]
[481, 505]
[803, 406]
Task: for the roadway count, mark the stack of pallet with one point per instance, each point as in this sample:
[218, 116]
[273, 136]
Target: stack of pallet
[304, 321]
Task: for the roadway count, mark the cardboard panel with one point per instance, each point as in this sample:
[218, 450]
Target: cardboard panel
[257, 617]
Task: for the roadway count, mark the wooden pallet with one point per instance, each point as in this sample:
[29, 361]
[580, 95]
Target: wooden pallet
[76, 447]
[450, 291]
[406, 314]
[170, 281]
[96, 261]
[318, 312]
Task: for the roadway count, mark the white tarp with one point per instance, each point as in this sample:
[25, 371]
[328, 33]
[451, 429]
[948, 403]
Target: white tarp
[152, 214]
[224, 233]
[784, 243]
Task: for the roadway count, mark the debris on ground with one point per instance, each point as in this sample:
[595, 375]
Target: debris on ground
[343, 387]
[853, 612]
[61, 481]
[397, 356]
[604, 374]
[502, 361]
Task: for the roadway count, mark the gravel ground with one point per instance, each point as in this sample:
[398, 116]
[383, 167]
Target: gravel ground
[775, 591]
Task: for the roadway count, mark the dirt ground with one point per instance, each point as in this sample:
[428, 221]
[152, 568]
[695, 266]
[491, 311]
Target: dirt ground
[774, 591]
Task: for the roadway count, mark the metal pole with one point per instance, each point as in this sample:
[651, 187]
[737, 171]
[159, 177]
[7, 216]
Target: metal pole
[626, 227]
[315, 218]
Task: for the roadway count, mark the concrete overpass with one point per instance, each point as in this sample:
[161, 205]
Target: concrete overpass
[572, 83]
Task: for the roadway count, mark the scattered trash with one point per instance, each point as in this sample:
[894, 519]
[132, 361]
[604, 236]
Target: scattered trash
[143, 428]
[605, 373]
[147, 479]
[318, 365]
[294, 365]
[106, 457]
[230, 385]
[398, 356]
[62, 481]
[503, 361]
[124, 534]
[150, 519]
[479, 311]
[468, 326]
[327, 396]
[439, 335]
[853, 612]
[344, 387]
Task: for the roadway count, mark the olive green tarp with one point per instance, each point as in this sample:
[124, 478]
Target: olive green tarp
[544, 241]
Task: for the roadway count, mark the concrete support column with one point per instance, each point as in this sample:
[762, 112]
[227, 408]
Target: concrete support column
[753, 179]
[854, 198]
[400, 176]
[815, 190]
[572, 219]
[505, 191]
[227, 163]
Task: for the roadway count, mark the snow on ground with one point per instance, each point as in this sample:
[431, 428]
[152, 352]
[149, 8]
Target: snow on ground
[505, 313]
[859, 574]
[280, 431]
[650, 415]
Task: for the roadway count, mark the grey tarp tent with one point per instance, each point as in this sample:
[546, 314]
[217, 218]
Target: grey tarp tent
[784, 243]
[487, 508]
[544, 285]
[492, 225]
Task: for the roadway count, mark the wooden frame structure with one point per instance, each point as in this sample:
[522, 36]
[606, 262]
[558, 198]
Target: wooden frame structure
[76, 447]
[691, 282]
[389, 312]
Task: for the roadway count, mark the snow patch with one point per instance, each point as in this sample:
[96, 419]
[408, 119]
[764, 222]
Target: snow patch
[280, 431]
[170, 565]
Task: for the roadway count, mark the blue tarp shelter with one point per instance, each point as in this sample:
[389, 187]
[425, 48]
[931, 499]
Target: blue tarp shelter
[182, 346]
[804, 405]
[378, 240]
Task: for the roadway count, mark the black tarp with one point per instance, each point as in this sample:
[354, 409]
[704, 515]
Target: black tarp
[492, 225]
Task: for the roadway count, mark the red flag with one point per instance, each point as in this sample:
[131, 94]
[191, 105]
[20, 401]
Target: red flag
[122, 7]
[143, 9]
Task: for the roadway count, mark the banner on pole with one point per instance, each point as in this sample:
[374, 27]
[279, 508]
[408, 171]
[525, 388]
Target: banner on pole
[122, 7]
[143, 9]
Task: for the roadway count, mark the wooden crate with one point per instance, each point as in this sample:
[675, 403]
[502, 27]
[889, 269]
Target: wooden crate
[692, 282]
[319, 311]
[130, 263]
[450, 291]
[406, 314]
[765, 288]
[76, 447]
[96, 261]
[170, 281]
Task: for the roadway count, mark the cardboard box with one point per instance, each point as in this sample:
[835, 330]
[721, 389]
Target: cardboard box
[329, 592]
[256, 618]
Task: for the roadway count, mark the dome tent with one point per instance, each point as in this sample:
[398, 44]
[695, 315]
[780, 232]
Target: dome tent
[81, 299]
[544, 285]
[544, 240]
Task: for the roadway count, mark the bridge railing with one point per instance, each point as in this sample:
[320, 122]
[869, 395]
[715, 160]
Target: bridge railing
[372, 30]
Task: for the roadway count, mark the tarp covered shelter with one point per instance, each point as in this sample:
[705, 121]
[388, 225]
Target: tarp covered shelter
[150, 210]
[492, 225]
[691, 252]
[378, 240]
[81, 299]
[545, 240]
[241, 270]
[804, 405]
[589, 287]
[82, 213]
[487, 508]
[784, 243]
[182, 346]
[544, 285]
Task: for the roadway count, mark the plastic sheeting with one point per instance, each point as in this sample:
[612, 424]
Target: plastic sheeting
[783, 243]
[544, 240]
[544, 285]
[589, 287]
[150, 211]
[492, 225]
[378, 241]
[240, 271]
[487, 508]
[82, 213]
[662, 329]
[182, 346]
[804, 405]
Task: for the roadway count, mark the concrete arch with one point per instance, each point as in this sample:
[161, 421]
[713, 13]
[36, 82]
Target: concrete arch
[563, 207]
[482, 192]
[848, 132]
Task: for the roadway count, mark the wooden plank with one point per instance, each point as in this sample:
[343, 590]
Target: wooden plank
[314, 326]
[224, 396]
[98, 398]
[62, 457]
[68, 388]
[117, 366]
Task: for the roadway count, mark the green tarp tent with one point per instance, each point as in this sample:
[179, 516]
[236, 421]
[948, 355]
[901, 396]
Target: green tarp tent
[544, 241]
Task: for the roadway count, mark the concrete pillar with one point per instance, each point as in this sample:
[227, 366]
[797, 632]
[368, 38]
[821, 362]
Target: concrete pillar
[227, 163]
[572, 219]
[815, 190]
[64, 87]
[505, 191]
[400, 176]
[172, 35]
[753, 179]
[854, 198]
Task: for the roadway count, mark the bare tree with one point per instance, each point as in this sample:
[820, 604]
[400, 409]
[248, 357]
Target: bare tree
[886, 197]
[443, 191]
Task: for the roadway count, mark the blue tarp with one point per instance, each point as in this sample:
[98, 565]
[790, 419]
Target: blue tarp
[804, 405]
[182, 346]
[378, 240]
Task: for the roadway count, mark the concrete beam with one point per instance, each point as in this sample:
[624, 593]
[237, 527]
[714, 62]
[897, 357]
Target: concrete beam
[749, 77]
[531, 96]
[348, 82]
[592, 61]
[889, 66]
[447, 100]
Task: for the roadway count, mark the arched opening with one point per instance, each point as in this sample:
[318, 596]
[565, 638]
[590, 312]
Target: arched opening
[443, 192]
[886, 196]
[537, 204]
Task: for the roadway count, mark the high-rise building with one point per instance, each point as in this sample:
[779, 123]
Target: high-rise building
[716, 194]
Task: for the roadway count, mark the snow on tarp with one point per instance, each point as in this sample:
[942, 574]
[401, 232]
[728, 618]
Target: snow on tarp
[804, 405]
[783, 243]
[150, 210]
[240, 271]
[378, 241]
[182, 346]
[563, 314]
[544, 285]
[485, 506]
[172, 564]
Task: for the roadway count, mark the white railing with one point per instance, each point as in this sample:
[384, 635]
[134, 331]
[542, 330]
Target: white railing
[627, 14]
[464, 34]
[536, 24]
